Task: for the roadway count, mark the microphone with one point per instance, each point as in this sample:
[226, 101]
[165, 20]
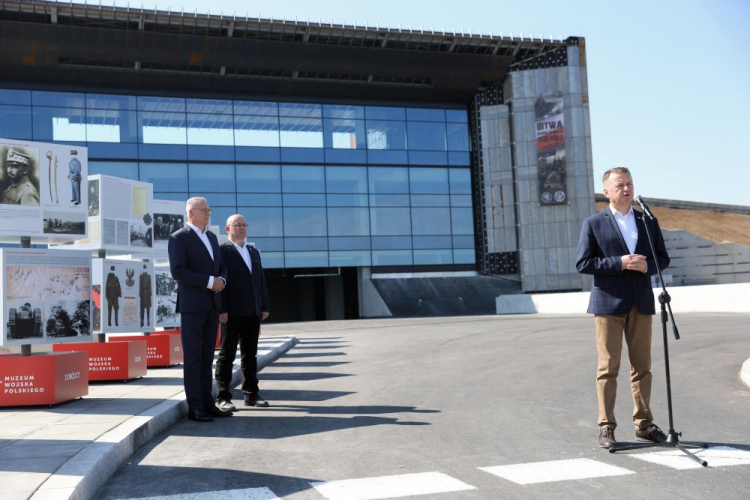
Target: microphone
[644, 207]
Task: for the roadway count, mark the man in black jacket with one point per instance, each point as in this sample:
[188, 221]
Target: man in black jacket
[244, 307]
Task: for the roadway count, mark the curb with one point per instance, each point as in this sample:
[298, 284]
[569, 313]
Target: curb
[81, 477]
[745, 372]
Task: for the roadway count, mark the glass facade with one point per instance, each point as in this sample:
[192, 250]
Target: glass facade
[320, 184]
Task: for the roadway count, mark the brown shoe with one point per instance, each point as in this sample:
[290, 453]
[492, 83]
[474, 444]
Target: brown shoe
[651, 433]
[607, 437]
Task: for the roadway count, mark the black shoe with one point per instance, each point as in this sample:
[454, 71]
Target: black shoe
[217, 412]
[199, 416]
[607, 437]
[651, 433]
[255, 400]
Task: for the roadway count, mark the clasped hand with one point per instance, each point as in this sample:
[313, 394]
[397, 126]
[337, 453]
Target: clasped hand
[218, 285]
[634, 262]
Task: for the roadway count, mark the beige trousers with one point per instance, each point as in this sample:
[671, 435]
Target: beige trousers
[609, 334]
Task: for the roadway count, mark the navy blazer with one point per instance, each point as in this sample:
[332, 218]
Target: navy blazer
[600, 249]
[191, 266]
[245, 293]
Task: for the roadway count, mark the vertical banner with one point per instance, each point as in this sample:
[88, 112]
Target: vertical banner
[550, 149]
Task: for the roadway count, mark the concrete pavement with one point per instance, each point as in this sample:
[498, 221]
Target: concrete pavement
[70, 450]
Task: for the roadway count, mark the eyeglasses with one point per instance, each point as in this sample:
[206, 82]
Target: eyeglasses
[204, 210]
[239, 225]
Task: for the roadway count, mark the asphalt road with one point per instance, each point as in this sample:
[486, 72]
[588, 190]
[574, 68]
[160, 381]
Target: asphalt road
[427, 403]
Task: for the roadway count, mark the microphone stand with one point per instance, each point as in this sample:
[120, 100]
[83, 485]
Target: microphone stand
[673, 437]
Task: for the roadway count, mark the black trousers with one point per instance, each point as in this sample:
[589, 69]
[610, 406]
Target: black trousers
[245, 330]
[198, 344]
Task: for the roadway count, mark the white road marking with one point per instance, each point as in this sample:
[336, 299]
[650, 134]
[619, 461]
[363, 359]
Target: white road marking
[720, 456]
[242, 494]
[557, 470]
[390, 486]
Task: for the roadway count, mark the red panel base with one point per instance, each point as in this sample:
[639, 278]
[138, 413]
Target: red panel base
[162, 350]
[178, 331]
[43, 379]
[111, 361]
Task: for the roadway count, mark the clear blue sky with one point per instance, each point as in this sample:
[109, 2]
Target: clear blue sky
[669, 80]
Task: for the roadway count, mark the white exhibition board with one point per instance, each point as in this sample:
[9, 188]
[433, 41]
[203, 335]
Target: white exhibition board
[46, 296]
[43, 191]
[123, 293]
[120, 215]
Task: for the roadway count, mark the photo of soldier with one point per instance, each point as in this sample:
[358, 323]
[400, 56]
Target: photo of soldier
[74, 176]
[113, 292]
[20, 181]
[93, 198]
[144, 291]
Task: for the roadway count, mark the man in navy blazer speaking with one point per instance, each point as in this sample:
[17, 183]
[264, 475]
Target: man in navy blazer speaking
[244, 307]
[195, 263]
[614, 248]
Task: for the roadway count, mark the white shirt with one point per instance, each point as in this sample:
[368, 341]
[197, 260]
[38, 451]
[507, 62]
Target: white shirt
[627, 226]
[204, 238]
[245, 253]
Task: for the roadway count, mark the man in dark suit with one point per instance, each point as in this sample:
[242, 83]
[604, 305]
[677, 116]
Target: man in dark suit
[244, 307]
[196, 266]
[614, 248]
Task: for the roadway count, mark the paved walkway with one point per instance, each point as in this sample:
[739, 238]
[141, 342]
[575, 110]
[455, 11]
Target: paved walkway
[70, 450]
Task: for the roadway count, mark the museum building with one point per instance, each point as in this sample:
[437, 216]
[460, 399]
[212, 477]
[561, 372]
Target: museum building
[382, 171]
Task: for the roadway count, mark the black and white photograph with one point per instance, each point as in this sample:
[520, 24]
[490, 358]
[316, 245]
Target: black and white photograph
[67, 318]
[19, 176]
[166, 312]
[56, 222]
[166, 224]
[24, 320]
[93, 198]
[140, 236]
[165, 284]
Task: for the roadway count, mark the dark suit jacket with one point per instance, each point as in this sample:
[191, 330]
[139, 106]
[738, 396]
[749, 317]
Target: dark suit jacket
[600, 248]
[191, 266]
[245, 294]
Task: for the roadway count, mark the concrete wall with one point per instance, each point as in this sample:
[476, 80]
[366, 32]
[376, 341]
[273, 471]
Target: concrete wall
[499, 190]
[685, 299]
[698, 261]
[548, 234]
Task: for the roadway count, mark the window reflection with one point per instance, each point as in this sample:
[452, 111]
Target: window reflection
[346, 179]
[209, 106]
[428, 180]
[108, 101]
[300, 110]
[348, 221]
[166, 177]
[424, 136]
[458, 137]
[303, 179]
[386, 135]
[210, 130]
[301, 132]
[390, 221]
[345, 134]
[162, 128]
[15, 122]
[111, 125]
[212, 178]
[389, 180]
[256, 108]
[59, 124]
[259, 178]
[305, 222]
[161, 104]
[259, 131]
